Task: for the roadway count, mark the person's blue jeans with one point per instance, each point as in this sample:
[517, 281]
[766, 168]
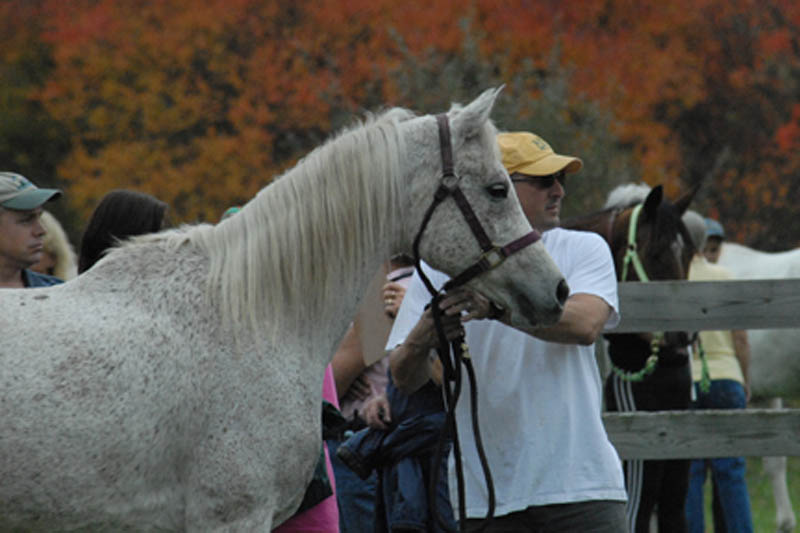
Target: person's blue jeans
[355, 496]
[728, 473]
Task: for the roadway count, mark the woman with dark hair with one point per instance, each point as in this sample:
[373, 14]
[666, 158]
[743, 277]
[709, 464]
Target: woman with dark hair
[119, 215]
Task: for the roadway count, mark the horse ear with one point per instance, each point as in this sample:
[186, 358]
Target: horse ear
[682, 203]
[468, 121]
[652, 201]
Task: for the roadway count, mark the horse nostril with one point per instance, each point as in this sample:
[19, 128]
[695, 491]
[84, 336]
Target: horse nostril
[562, 292]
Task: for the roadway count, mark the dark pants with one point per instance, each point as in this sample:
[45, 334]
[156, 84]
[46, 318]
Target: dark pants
[654, 483]
[581, 517]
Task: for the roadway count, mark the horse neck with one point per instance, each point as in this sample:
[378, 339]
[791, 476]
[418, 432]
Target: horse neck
[611, 224]
[600, 222]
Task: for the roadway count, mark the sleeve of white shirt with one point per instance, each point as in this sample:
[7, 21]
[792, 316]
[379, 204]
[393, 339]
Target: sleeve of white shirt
[592, 272]
[416, 298]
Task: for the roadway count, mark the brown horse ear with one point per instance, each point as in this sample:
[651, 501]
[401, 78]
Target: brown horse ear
[682, 203]
[652, 202]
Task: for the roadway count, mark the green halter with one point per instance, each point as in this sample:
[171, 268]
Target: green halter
[632, 257]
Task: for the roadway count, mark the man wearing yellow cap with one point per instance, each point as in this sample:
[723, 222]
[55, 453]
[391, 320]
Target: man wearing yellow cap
[539, 403]
[21, 232]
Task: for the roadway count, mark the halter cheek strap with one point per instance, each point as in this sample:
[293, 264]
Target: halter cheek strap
[632, 257]
[631, 253]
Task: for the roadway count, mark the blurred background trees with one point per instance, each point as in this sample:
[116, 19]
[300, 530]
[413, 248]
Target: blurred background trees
[202, 104]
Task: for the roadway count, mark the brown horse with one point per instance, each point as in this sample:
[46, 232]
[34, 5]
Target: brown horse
[650, 371]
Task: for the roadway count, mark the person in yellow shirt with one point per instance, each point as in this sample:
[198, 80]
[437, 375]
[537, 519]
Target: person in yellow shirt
[728, 356]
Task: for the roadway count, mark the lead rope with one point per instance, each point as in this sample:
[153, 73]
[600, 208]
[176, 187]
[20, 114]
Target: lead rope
[451, 373]
[705, 374]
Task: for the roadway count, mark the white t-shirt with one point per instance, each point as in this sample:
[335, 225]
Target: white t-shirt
[539, 403]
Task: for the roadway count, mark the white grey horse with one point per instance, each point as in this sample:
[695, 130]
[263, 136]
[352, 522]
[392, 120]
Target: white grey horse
[774, 364]
[177, 384]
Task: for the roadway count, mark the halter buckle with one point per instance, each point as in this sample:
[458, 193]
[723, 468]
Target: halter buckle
[493, 257]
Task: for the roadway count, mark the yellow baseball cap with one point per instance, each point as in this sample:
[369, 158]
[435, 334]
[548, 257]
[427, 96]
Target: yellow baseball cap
[527, 153]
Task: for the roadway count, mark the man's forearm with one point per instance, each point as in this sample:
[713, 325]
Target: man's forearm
[581, 323]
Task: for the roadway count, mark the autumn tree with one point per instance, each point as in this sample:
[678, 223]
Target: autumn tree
[203, 104]
[31, 142]
[749, 120]
[538, 100]
[198, 104]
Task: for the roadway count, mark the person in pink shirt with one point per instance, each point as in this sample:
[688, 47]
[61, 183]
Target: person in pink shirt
[324, 516]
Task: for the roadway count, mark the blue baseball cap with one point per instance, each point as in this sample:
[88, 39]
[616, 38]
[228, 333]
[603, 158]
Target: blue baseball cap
[714, 229]
[18, 193]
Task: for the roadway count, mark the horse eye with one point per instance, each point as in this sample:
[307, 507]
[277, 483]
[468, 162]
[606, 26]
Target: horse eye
[497, 190]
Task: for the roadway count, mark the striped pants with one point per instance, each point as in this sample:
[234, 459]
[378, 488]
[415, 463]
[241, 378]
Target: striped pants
[654, 483]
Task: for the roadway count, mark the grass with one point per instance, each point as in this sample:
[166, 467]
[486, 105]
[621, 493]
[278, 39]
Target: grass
[762, 505]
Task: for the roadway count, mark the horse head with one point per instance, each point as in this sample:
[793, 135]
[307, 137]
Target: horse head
[491, 230]
[648, 241]
[661, 241]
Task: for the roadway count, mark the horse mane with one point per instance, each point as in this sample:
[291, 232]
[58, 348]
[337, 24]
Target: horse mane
[293, 246]
[627, 195]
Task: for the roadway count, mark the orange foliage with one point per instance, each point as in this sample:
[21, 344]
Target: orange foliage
[202, 103]
[787, 137]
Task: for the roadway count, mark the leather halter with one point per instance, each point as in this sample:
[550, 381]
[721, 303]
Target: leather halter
[493, 255]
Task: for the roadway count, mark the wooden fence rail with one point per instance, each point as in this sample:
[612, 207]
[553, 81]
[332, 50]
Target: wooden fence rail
[709, 305]
[697, 434]
[699, 306]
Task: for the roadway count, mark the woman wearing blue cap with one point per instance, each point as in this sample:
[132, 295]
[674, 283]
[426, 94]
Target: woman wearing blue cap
[715, 234]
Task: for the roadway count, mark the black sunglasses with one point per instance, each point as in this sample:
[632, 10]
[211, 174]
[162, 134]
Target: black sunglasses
[541, 182]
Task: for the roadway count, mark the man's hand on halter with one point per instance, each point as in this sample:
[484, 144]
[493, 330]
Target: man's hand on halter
[466, 301]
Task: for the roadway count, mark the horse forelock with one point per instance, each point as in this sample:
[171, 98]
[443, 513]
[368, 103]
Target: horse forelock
[288, 253]
[631, 194]
[627, 195]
